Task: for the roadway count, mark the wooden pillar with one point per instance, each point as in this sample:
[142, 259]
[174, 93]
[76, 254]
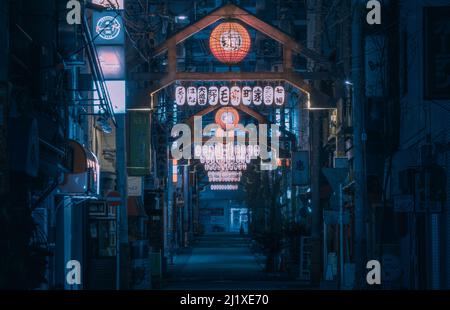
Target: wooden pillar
[287, 59]
[172, 58]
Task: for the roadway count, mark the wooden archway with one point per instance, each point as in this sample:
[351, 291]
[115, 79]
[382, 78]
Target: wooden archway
[316, 99]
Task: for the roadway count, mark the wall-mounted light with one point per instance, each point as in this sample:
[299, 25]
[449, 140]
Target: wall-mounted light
[181, 19]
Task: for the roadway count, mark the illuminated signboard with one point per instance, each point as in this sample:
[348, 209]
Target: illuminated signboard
[108, 28]
[116, 90]
[234, 96]
[230, 42]
[112, 62]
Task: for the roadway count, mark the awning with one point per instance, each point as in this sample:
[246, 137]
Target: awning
[84, 177]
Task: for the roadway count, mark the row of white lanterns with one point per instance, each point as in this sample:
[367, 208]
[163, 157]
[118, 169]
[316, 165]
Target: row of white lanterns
[224, 176]
[224, 187]
[225, 95]
[238, 160]
[228, 151]
[227, 166]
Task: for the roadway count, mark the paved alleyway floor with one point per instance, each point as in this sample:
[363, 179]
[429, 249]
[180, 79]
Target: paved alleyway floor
[222, 262]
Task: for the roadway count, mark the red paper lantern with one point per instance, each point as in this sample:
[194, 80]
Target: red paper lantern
[230, 42]
[227, 118]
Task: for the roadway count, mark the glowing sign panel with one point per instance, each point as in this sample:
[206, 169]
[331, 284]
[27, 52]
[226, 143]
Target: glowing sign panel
[108, 28]
[112, 62]
[116, 90]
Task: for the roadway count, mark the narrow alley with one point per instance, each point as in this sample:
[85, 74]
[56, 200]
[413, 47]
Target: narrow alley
[222, 261]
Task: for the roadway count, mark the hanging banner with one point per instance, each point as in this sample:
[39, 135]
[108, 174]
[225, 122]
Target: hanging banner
[224, 95]
[268, 95]
[139, 143]
[246, 95]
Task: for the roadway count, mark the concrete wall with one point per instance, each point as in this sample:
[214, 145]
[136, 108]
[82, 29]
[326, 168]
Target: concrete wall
[420, 117]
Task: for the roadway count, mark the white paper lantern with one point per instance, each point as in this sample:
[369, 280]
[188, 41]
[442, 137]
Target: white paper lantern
[246, 95]
[279, 95]
[197, 151]
[235, 95]
[202, 95]
[224, 95]
[213, 95]
[257, 95]
[180, 95]
[268, 95]
[192, 95]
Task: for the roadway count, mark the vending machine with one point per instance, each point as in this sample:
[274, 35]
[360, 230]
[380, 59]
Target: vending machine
[101, 245]
[85, 232]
